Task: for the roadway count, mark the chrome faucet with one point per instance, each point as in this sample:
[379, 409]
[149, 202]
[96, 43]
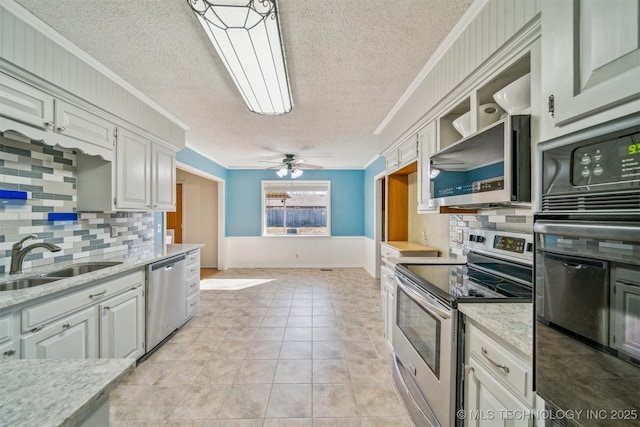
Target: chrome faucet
[18, 253]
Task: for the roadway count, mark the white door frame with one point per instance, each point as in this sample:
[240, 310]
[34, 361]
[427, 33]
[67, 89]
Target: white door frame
[377, 218]
[222, 252]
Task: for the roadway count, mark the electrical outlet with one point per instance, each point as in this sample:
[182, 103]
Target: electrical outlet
[460, 236]
[114, 231]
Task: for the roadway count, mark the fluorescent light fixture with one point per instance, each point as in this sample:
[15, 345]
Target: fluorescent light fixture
[246, 35]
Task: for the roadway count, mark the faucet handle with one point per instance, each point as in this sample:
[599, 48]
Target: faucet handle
[19, 244]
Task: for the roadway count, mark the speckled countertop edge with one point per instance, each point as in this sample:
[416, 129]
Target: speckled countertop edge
[56, 392]
[130, 261]
[512, 322]
[425, 260]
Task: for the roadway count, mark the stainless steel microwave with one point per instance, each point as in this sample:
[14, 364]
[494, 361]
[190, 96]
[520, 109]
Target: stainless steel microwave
[489, 168]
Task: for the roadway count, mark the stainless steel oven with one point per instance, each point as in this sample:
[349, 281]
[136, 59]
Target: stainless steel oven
[587, 277]
[587, 336]
[426, 321]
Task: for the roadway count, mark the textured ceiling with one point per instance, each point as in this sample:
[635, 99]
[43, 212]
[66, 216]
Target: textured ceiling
[349, 62]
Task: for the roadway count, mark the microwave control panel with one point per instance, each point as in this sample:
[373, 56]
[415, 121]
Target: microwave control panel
[605, 162]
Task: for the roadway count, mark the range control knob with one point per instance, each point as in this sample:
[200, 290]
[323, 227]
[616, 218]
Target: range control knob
[585, 172]
[598, 170]
[598, 155]
[480, 239]
[586, 159]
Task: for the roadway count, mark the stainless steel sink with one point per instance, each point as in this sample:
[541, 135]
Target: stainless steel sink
[79, 269]
[42, 279]
[25, 283]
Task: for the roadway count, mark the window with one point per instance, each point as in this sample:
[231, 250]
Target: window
[296, 208]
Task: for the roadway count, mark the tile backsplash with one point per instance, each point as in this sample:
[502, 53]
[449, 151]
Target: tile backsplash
[517, 220]
[48, 175]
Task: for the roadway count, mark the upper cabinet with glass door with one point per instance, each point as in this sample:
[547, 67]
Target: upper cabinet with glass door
[590, 63]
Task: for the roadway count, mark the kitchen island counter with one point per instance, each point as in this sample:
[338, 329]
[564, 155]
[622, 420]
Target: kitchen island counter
[57, 392]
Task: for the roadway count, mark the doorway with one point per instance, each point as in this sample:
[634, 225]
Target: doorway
[197, 216]
[174, 219]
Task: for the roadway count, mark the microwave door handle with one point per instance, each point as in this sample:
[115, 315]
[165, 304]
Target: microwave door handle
[425, 303]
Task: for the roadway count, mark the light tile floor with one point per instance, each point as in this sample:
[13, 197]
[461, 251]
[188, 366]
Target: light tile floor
[304, 350]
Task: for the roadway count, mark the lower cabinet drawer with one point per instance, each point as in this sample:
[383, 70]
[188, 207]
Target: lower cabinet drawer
[37, 315]
[193, 302]
[193, 284]
[516, 373]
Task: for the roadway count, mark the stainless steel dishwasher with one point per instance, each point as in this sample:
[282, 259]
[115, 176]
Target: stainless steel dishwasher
[166, 293]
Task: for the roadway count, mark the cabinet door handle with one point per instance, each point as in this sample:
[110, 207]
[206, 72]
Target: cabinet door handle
[99, 294]
[49, 125]
[107, 308]
[66, 325]
[61, 128]
[497, 365]
[10, 353]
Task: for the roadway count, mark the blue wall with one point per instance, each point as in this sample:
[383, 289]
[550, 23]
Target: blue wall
[352, 195]
[369, 195]
[244, 200]
[198, 161]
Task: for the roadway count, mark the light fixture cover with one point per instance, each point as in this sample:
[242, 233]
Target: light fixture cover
[282, 172]
[296, 173]
[246, 35]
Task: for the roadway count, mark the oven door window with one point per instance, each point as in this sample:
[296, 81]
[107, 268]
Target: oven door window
[421, 328]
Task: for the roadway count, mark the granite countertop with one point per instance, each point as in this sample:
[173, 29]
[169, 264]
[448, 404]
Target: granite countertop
[57, 392]
[131, 260]
[512, 322]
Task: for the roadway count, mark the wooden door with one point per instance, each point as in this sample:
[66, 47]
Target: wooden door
[174, 219]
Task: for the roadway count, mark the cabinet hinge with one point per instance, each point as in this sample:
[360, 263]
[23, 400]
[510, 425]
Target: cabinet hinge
[115, 132]
[115, 201]
[551, 105]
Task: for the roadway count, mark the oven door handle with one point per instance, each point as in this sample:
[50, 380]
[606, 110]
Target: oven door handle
[613, 231]
[423, 301]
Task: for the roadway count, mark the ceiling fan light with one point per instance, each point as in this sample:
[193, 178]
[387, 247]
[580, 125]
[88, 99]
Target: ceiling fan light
[296, 173]
[248, 41]
[282, 172]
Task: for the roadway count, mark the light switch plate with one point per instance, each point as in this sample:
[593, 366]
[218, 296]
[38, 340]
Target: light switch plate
[114, 231]
[460, 236]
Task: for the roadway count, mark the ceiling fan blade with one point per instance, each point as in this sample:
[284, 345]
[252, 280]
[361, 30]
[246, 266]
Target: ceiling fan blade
[308, 166]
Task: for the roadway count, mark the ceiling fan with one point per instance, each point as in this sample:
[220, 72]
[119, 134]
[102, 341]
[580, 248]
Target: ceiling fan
[291, 164]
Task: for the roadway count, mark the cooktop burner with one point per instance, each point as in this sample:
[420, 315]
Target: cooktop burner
[464, 283]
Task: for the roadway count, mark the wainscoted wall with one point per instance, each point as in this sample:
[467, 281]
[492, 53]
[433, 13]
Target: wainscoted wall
[514, 220]
[48, 175]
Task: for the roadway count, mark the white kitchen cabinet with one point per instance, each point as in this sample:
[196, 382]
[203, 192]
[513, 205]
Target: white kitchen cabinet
[489, 403]
[142, 177]
[122, 325]
[24, 103]
[402, 155]
[72, 337]
[163, 182]
[193, 282]
[133, 171]
[102, 320]
[498, 381]
[590, 59]
[8, 348]
[77, 123]
[428, 144]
